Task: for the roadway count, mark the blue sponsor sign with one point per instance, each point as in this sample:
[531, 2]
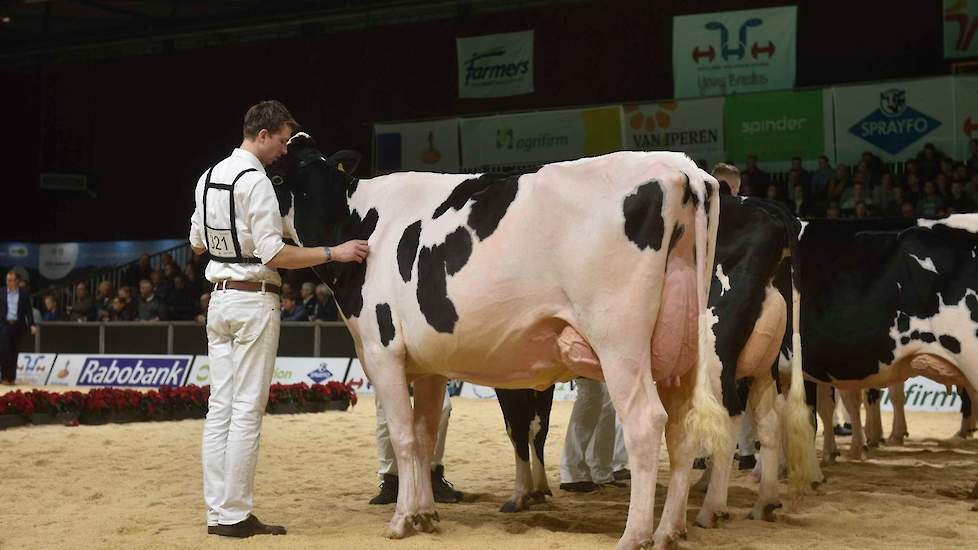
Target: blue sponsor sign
[320, 375]
[140, 372]
[894, 126]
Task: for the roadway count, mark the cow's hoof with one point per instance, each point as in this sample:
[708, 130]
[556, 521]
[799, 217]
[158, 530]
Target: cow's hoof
[709, 520]
[896, 441]
[538, 497]
[425, 521]
[666, 542]
[647, 545]
[510, 508]
[398, 528]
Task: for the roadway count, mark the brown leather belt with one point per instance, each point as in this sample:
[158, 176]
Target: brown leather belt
[248, 286]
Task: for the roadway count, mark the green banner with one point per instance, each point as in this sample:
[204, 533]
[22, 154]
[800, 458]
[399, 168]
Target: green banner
[775, 126]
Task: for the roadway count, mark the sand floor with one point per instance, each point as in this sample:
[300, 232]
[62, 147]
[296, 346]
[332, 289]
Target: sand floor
[139, 486]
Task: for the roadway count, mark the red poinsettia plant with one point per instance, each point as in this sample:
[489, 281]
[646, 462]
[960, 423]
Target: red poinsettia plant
[332, 391]
[287, 393]
[17, 402]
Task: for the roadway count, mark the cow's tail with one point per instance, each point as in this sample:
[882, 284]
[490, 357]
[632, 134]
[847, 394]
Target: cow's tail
[707, 421]
[797, 420]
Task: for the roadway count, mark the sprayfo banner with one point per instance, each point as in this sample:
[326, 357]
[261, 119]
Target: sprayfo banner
[960, 24]
[894, 120]
[288, 370]
[506, 142]
[693, 126]
[965, 125]
[429, 146]
[923, 394]
[776, 126]
[495, 65]
[734, 52]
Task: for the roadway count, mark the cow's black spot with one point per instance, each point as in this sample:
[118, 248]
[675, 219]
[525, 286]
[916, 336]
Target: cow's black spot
[688, 194]
[903, 322]
[462, 193]
[348, 283]
[873, 395]
[972, 302]
[407, 249]
[644, 225]
[950, 343]
[385, 323]
[926, 337]
[434, 266]
[677, 233]
[352, 187]
[491, 205]
[904, 340]
[706, 201]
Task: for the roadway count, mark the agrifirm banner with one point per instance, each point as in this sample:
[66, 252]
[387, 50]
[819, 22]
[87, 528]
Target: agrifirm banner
[693, 126]
[33, 369]
[429, 146]
[288, 370]
[734, 52]
[960, 23]
[965, 125]
[132, 371]
[507, 142]
[776, 126]
[496, 65]
[923, 394]
[894, 120]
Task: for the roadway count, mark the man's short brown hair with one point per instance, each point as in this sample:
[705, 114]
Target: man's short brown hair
[724, 168]
[268, 115]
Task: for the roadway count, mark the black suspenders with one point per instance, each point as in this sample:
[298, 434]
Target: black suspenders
[217, 237]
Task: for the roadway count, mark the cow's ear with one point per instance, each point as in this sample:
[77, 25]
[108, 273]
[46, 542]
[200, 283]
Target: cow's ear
[345, 161]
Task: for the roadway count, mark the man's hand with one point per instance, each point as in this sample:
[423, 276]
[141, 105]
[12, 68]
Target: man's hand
[198, 250]
[351, 251]
[33, 330]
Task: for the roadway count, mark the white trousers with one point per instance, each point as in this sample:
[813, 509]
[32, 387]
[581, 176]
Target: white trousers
[594, 447]
[242, 341]
[385, 449]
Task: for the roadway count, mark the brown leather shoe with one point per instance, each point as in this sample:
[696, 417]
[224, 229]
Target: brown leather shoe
[247, 528]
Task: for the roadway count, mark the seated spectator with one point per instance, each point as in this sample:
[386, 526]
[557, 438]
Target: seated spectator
[853, 195]
[801, 203]
[947, 168]
[126, 296]
[309, 304]
[959, 202]
[194, 283]
[165, 260]
[759, 179]
[772, 194]
[103, 302]
[894, 206]
[929, 162]
[912, 190]
[960, 172]
[941, 183]
[161, 286]
[120, 310]
[287, 288]
[204, 302]
[819, 188]
[839, 183]
[930, 202]
[150, 308]
[874, 167]
[325, 305]
[182, 303]
[833, 212]
[804, 176]
[909, 169]
[861, 212]
[883, 195]
[907, 210]
[170, 271]
[138, 271]
[52, 312]
[942, 212]
[291, 311]
[83, 308]
[794, 179]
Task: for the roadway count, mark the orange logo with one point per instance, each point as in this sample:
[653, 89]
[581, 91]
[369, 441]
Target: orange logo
[638, 120]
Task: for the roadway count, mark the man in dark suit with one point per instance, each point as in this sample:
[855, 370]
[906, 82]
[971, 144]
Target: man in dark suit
[17, 317]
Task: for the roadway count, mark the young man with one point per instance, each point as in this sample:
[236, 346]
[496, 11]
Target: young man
[237, 222]
[17, 315]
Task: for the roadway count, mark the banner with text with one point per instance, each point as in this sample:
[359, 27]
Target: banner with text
[734, 51]
[923, 394]
[960, 22]
[894, 120]
[33, 369]
[693, 126]
[776, 126]
[288, 370]
[429, 146]
[965, 125]
[495, 65]
[512, 142]
[133, 371]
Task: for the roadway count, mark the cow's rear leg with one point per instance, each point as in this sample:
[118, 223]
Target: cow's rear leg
[874, 419]
[429, 397]
[852, 400]
[539, 428]
[681, 450]
[715, 502]
[899, 399]
[762, 401]
[517, 407]
[825, 405]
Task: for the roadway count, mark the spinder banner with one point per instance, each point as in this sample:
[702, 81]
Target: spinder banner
[894, 120]
[496, 65]
[694, 126]
[133, 371]
[506, 142]
[960, 24]
[734, 51]
[776, 126]
[428, 146]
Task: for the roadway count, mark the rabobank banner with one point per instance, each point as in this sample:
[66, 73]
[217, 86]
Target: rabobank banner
[428, 146]
[894, 120]
[131, 371]
[693, 126]
[508, 142]
[288, 370]
[496, 65]
[734, 52]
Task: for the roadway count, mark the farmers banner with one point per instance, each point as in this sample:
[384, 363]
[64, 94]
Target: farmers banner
[496, 65]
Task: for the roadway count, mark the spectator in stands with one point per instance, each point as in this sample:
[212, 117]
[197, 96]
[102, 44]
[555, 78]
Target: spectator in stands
[803, 175]
[759, 179]
[287, 288]
[801, 203]
[861, 212]
[83, 308]
[839, 183]
[183, 302]
[125, 294]
[794, 178]
[150, 308]
[883, 195]
[325, 305]
[819, 188]
[773, 194]
[103, 302]
[832, 212]
[745, 189]
[193, 282]
[199, 264]
[959, 202]
[170, 271]
[864, 175]
[120, 310]
[972, 164]
[940, 182]
[929, 162]
[165, 260]
[942, 212]
[930, 202]
[853, 195]
[291, 311]
[960, 172]
[309, 304]
[138, 271]
[947, 167]
[893, 207]
[161, 286]
[912, 190]
[205, 300]
[52, 311]
[907, 210]
[874, 167]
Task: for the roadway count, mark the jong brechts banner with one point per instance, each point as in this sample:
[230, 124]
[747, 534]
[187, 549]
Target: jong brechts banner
[965, 125]
[734, 52]
[960, 26]
[510, 142]
[777, 126]
[495, 65]
[693, 126]
[894, 120]
[428, 146]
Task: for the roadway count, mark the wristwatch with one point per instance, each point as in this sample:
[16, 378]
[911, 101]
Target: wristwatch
[329, 254]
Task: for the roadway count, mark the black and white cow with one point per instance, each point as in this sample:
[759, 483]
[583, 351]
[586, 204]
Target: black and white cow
[881, 305]
[596, 267]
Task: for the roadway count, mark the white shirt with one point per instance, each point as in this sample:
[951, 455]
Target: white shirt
[257, 218]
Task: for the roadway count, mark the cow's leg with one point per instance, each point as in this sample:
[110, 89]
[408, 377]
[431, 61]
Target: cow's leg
[429, 399]
[874, 419]
[542, 403]
[715, 502]
[899, 399]
[762, 401]
[517, 411]
[682, 450]
[852, 399]
[826, 413]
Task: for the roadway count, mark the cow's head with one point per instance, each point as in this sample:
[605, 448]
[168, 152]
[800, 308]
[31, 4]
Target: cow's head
[316, 188]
